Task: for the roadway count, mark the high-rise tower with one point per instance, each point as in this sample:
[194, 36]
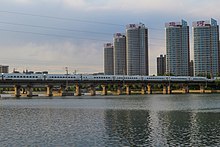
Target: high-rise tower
[137, 49]
[161, 65]
[108, 59]
[177, 48]
[119, 42]
[206, 48]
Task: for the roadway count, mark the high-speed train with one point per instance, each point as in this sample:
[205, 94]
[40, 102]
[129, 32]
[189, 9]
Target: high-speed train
[84, 77]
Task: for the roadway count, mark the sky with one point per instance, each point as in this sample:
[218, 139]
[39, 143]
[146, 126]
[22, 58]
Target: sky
[50, 35]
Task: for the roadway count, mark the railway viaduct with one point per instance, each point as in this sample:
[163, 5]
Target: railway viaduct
[20, 86]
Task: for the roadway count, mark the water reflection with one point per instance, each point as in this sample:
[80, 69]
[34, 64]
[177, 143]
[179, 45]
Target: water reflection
[130, 127]
[144, 121]
[171, 128]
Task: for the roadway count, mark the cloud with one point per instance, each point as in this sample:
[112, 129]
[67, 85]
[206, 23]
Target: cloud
[52, 53]
[164, 8]
[54, 57]
[24, 2]
[76, 3]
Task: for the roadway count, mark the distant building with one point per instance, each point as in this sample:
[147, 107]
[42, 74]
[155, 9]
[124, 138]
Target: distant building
[137, 49]
[191, 67]
[177, 48]
[4, 69]
[99, 73]
[108, 59]
[161, 65]
[206, 47]
[119, 50]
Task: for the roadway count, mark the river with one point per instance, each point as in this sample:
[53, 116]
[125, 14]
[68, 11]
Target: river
[135, 120]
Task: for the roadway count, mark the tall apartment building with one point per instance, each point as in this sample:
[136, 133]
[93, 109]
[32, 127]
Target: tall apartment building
[206, 47]
[177, 48]
[108, 59]
[4, 69]
[161, 65]
[119, 43]
[137, 49]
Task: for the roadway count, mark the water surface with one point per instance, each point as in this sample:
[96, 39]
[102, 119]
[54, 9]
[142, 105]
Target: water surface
[150, 120]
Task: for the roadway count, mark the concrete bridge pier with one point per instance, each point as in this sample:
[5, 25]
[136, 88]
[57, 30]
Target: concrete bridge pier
[202, 89]
[128, 89]
[143, 89]
[169, 90]
[149, 89]
[61, 89]
[78, 90]
[92, 90]
[185, 89]
[29, 91]
[119, 90]
[23, 90]
[17, 90]
[49, 90]
[104, 89]
[165, 89]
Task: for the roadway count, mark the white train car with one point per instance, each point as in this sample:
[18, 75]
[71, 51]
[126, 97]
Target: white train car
[179, 78]
[119, 78]
[22, 76]
[62, 77]
[198, 79]
[97, 77]
[216, 78]
[132, 78]
[155, 78]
